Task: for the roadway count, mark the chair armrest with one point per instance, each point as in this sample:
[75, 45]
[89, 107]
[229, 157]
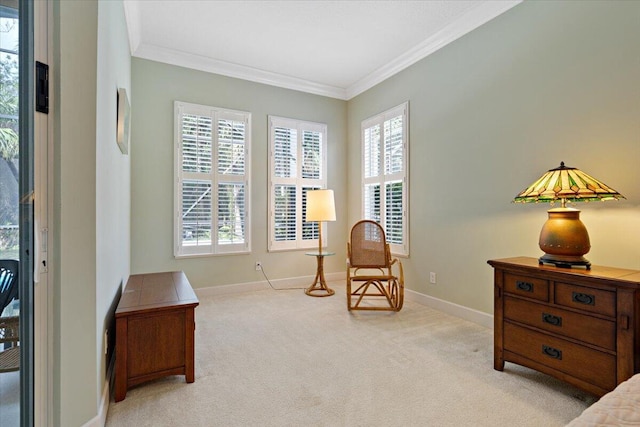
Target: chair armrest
[400, 269]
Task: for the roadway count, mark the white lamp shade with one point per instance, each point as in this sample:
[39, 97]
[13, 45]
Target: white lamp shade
[320, 206]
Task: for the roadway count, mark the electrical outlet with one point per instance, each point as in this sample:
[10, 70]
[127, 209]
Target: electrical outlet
[432, 277]
[258, 265]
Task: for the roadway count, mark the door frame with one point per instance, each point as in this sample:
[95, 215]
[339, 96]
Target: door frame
[26, 203]
[43, 317]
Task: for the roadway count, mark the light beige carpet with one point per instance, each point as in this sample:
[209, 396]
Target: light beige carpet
[281, 358]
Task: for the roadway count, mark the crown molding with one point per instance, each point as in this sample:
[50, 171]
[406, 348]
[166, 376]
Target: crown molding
[134, 24]
[202, 63]
[476, 17]
[471, 20]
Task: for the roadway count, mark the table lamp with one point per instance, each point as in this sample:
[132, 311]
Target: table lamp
[564, 238]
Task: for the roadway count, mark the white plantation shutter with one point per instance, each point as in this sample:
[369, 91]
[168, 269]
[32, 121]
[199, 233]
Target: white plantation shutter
[309, 229]
[284, 212]
[212, 183]
[371, 150]
[297, 153]
[311, 154]
[196, 142]
[394, 212]
[385, 174]
[285, 157]
[231, 148]
[393, 146]
[231, 213]
[372, 202]
[196, 213]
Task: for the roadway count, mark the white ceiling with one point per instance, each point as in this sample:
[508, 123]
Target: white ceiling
[331, 48]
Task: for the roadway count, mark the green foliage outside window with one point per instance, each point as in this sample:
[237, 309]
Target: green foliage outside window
[9, 143]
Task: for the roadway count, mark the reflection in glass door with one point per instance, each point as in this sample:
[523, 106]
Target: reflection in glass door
[9, 218]
[16, 218]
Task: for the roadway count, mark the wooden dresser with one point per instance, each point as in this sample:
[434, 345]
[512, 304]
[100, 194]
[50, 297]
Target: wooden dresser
[155, 324]
[580, 326]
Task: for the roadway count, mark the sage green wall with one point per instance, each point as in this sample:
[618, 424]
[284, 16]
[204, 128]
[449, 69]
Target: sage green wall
[489, 113]
[113, 177]
[91, 200]
[155, 87]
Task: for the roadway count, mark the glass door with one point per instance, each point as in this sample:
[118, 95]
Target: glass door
[16, 218]
[9, 218]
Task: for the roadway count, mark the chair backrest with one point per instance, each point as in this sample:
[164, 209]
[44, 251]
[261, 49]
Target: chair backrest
[8, 281]
[368, 246]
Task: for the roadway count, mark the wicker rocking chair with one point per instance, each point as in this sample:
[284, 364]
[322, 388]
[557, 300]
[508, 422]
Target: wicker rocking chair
[371, 283]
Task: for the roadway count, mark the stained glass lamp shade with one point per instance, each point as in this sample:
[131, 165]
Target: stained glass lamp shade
[564, 238]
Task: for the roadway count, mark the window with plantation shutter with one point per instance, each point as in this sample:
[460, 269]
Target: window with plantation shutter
[385, 174]
[212, 147]
[297, 164]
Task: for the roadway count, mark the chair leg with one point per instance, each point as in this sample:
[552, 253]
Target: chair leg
[400, 287]
[348, 288]
[383, 290]
[386, 292]
[392, 291]
[396, 294]
[362, 293]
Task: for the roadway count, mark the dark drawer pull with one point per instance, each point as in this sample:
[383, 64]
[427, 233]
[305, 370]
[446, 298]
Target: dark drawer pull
[585, 299]
[551, 319]
[524, 286]
[552, 352]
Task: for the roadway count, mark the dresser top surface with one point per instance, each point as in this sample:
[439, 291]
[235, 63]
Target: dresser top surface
[631, 277]
[156, 290]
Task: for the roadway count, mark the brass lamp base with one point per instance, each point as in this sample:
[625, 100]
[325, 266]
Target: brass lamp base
[564, 239]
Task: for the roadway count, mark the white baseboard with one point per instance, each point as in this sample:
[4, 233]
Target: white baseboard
[475, 316]
[453, 309]
[101, 419]
[290, 282]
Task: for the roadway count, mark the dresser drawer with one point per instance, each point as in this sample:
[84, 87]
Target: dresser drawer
[526, 286]
[595, 367]
[586, 299]
[581, 327]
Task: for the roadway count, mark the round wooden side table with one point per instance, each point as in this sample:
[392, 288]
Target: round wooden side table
[319, 287]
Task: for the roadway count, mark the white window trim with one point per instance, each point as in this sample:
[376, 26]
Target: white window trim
[299, 182]
[379, 119]
[214, 249]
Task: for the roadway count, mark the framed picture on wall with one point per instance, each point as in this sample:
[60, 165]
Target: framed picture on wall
[124, 113]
